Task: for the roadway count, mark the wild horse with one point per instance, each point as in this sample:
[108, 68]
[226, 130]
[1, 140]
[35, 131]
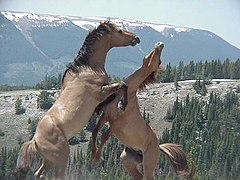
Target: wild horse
[84, 86]
[142, 145]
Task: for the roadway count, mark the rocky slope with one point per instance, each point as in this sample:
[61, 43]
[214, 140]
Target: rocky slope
[156, 99]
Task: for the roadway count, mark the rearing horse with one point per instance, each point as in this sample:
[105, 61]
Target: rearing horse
[130, 128]
[84, 86]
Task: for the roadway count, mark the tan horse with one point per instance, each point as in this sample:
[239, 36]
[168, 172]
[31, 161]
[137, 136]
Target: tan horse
[85, 85]
[130, 128]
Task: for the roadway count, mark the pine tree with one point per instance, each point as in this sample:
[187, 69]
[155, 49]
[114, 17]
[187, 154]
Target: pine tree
[82, 136]
[146, 116]
[1, 132]
[169, 116]
[91, 124]
[45, 101]
[33, 125]
[18, 106]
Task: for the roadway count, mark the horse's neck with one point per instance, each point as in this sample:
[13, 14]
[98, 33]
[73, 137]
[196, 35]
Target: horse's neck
[136, 79]
[96, 61]
[98, 56]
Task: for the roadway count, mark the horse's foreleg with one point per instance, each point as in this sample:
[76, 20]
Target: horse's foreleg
[99, 125]
[107, 90]
[105, 136]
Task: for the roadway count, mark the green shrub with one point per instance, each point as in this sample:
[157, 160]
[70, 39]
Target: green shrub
[19, 107]
[45, 100]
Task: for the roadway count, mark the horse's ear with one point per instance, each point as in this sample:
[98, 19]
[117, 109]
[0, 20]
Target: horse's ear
[106, 21]
[105, 25]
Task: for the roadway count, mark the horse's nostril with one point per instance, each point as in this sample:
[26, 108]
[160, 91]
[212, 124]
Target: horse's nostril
[135, 41]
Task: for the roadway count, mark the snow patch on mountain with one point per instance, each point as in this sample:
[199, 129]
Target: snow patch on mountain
[87, 23]
[34, 20]
[54, 40]
[167, 30]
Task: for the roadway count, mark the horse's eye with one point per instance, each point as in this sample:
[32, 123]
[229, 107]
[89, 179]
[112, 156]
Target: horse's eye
[120, 31]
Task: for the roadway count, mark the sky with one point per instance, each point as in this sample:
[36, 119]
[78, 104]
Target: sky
[221, 17]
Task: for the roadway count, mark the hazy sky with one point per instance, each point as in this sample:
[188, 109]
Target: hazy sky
[221, 17]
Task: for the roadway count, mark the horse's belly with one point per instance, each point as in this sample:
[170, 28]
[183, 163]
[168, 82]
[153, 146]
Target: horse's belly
[79, 119]
[131, 138]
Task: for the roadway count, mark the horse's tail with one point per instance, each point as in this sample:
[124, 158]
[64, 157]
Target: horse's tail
[25, 159]
[177, 158]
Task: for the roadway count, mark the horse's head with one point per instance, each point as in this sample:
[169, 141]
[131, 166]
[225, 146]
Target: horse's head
[152, 60]
[119, 37]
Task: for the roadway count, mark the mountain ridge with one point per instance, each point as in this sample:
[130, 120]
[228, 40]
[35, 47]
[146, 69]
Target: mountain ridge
[44, 44]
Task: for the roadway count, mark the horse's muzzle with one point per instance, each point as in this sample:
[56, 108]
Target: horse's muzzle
[135, 41]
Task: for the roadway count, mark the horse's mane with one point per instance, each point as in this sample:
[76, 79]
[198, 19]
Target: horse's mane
[149, 80]
[82, 58]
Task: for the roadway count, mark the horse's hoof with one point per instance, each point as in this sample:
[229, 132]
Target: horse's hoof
[97, 161]
[121, 106]
[123, 84]
[158, 45]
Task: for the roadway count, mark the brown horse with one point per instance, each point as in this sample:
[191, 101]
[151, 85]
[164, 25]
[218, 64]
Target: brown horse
[130, 128]
[85, 85]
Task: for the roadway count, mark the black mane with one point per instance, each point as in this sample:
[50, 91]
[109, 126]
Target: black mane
[82, 58]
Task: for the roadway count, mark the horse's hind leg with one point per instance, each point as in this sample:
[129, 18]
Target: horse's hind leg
[150, 160]
[130, 161]
[52, 145]
[62, 161]
[60, 171]
[42, 171]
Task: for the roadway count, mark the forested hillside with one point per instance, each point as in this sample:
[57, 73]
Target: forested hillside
[209, 133]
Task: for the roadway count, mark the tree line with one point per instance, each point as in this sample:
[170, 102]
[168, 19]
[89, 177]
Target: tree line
[215, 69]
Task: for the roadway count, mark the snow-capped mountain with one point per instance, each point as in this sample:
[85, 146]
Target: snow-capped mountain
[33, 45]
